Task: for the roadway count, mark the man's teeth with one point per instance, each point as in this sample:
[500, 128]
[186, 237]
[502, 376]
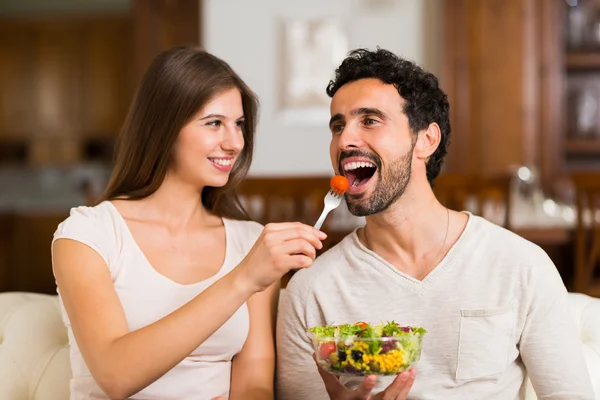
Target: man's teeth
[221, 161]
[355, 165]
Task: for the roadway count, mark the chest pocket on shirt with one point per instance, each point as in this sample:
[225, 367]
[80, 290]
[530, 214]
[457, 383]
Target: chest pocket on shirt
[484, 344]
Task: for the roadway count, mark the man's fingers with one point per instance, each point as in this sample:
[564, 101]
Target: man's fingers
[332, 384]
[365, 388]
[403, 394]
[399, 388]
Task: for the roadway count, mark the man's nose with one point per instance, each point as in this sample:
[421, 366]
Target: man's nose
[350, 138]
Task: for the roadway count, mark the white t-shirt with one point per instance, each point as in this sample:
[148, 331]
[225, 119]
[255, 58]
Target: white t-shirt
[146, 296]
[495, 309]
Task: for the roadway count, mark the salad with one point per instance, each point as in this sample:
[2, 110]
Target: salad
[364, 349]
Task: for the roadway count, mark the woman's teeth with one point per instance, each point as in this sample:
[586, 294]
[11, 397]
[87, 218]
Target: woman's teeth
[221, 161]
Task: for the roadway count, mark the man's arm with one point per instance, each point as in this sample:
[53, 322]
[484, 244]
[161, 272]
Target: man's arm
[297, 374]
[550, 345]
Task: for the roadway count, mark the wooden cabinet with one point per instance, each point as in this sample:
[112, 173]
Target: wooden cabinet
[107, 82]
[492, 76]
[6, 228]
[25, 259]
[510, 77]
[67, 82]
[31, 262]
[64, 81]
[56, 92]
[16, 70]
[580, 67]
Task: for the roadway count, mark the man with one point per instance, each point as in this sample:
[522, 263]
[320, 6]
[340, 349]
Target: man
[493, 303]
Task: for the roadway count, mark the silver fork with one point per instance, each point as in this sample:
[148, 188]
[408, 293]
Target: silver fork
[332, 200]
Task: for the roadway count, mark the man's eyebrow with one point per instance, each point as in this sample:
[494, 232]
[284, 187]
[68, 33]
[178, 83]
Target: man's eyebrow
[335, 118]
[369, 111]
[359, 111]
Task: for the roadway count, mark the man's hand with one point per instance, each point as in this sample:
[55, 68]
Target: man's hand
[398, 390]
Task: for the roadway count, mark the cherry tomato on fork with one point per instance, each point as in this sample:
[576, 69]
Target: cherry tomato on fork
[339, 184]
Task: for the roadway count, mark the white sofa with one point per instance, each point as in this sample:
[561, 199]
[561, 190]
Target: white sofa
[34, 351]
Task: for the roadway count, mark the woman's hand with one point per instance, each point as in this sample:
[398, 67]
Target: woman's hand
[280, 248]
[398, 390]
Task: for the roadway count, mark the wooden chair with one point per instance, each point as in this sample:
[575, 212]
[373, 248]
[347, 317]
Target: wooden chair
[465, 192]
[284, 199]
[587, 239]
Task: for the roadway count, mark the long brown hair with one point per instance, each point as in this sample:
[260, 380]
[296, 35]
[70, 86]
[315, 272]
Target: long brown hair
[178, 83]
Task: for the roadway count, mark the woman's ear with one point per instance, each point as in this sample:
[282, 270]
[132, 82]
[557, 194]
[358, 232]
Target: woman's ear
[428, 141]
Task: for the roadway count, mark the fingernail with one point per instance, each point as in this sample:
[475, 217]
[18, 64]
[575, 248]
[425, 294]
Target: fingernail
[322, 235]
[413, 373]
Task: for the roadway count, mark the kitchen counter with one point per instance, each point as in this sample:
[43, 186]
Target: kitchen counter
[50, 189]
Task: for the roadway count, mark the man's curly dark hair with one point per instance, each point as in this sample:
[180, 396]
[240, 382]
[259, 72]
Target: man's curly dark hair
[425, 102]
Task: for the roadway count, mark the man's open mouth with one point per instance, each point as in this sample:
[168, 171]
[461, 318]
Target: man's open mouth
[359, 173]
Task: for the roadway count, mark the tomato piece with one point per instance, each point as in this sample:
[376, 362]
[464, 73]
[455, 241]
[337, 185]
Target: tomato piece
[339, 184]
[361, 325]
[326, 349]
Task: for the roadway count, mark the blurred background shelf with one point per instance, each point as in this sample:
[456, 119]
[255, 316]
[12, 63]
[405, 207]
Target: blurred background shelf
[582, 147]
[583, 60]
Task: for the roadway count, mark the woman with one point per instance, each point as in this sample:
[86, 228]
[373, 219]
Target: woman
[166, 289]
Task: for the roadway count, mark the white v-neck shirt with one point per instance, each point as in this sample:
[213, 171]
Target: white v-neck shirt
[495, 309]
[146, 296]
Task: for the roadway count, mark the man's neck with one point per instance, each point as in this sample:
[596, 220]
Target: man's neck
[414, 234]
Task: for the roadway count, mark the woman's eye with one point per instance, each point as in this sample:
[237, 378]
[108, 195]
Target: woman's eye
[214, 123]
[240, 124]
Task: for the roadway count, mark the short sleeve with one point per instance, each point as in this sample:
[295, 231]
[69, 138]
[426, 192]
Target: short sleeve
[87, 226]
[252, 231]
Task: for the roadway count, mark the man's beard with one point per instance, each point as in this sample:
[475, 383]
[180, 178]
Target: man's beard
[389, 187]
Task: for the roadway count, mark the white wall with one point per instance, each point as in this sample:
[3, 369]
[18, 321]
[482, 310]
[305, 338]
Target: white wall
[242, 32]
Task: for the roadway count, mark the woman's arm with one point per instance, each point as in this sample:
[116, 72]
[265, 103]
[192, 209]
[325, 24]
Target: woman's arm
[124, 362]
[252, 375]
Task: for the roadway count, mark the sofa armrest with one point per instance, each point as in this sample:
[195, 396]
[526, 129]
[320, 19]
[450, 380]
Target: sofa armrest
[34, 350]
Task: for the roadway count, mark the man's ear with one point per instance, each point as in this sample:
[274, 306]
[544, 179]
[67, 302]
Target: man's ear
[428, 141]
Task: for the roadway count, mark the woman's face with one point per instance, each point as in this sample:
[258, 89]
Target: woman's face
[209, 144]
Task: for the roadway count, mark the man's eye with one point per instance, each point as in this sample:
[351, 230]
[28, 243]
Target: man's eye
[337, 128]
[369, 121]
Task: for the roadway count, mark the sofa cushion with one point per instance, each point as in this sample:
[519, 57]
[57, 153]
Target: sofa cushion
[34, 351]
